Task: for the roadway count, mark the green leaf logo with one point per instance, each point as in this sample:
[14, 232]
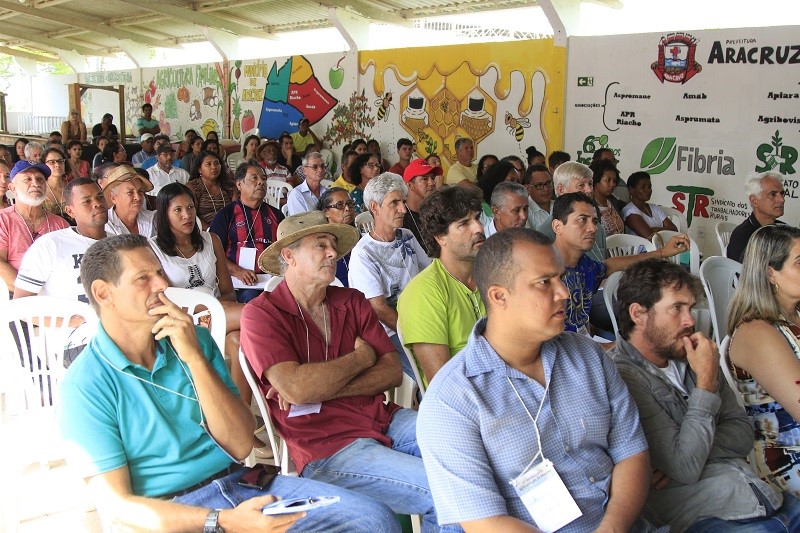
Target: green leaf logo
[658, 155]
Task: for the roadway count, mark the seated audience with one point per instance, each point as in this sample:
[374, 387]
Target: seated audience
[405, 149]
[105, 128]
[764, 326]
[325, 389]
[484, 163]
[210, 186]
[766, 195]
[535, 157]
[267, 156]
[343, 181]
[539, 184]
[250, 148]
[176, 467]
[195, 148]
[51, 266]
[186, 144]
[74, 128]
[34, 152]
[26, 220]
[519, 166]
[5, 155]
[374, 147]
[159, 141]
[113, 153]
[497, 173]
[5, 183]
[435, 161]
[528, 427]
[164, 171]
[556, 159]
[574, 225]
[338, 208]
[359, 146]
[304, 136]
[146, 123]
[605, 178]
[19, 150]
[125, 191]
[462, 171]
[441, 304]
[305, 196]
[100, 143]
[421, 180]
[643, 218]
[246, 227]
[509, 207]
[288, 157]
[78, 168]
[364, 168]
[699, 436]
[388, 257]
[211, 145]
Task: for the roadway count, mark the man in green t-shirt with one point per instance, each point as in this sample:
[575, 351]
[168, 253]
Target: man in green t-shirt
[441, 304]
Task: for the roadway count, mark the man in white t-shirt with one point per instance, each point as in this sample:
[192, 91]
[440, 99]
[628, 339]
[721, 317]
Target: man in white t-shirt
[385, 260]
[163, 173]
[51, 266]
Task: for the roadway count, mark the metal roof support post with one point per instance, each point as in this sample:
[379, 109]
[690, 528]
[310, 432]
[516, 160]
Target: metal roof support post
[226, 44]
[353, 28]
[141, 55]
[75, 60]
[564, 16]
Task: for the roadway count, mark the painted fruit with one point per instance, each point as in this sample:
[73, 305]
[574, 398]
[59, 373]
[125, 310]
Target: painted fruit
[237, 128]
[336, 77]
[248, 121]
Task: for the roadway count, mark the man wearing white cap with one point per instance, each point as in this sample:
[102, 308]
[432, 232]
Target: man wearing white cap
[323, 362]
[26, 220]
[147, 149]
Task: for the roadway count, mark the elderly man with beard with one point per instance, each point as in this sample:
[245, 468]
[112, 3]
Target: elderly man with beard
[246, 227]
[386, 259]
[26, 220]
[699, 436]
[441, 305]
[421, 180]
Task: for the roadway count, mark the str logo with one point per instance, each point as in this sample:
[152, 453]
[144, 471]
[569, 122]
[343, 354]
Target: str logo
[691, 200]
[676, 62]
[776, 154]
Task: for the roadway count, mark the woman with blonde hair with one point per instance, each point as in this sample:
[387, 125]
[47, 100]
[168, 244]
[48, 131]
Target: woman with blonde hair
[764, 326]
[73, 129]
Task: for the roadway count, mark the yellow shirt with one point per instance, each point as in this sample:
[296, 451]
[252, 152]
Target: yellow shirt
[340, 182]
[459, 172]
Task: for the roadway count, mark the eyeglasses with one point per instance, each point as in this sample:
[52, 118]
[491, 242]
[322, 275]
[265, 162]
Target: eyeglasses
[339, 206]
[255, 179]
[54, 162]
[317, 167]
[372, 165]
[543, 185]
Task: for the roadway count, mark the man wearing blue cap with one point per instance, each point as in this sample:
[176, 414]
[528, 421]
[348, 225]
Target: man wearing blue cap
[26, 220]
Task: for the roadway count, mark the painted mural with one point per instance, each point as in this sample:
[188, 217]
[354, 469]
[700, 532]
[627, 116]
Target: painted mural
[272, 95]
[699, 111]
[96, 103]
[504, 96]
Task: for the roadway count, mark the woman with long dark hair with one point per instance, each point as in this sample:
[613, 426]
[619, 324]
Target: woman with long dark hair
[211, 186]
[365, 167]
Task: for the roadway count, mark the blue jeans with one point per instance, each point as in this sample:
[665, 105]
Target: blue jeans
[353, 512]
[395, 476]
[245, 295]
[786, 519]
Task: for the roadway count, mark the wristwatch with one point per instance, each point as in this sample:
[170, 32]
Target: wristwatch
[212, 522]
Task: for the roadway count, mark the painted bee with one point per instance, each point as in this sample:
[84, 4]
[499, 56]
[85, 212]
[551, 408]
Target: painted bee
[515, 125]
[383, 106]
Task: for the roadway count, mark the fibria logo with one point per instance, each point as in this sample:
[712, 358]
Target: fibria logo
[676, 62]
[660, 153]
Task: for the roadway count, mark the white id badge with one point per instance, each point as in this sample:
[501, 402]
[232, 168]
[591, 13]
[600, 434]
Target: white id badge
[546, 497]
[247, 258]
[304, 409]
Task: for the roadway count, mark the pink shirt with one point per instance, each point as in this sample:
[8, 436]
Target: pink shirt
[16, 238]
[273, 332]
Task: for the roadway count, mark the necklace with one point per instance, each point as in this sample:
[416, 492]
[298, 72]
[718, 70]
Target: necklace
[55, 199]
[31, 226]
[252, 225]
[324, 327]
[211, 197]
[374, 235]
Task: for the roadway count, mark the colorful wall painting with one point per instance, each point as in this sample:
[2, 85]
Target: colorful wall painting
[505, 96]
[697, 110]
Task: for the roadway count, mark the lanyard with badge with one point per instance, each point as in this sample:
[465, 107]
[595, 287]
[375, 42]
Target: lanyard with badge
[540, 487]
[247, 255]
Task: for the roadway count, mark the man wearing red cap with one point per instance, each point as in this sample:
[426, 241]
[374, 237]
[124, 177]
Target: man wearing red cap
[421, 180]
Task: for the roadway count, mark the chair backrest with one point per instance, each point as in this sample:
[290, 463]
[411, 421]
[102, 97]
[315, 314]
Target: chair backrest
[280, 452]
[276, 191]
[723, 231]
[33, 336]
[610, 298]
[720, 277]
[413, 360]
[365, 222]
[624, 244]
[233, 160]
[192, 299]
[727, 371]
[677, 218]
[273, 282]
[663, 236]
[326, 183]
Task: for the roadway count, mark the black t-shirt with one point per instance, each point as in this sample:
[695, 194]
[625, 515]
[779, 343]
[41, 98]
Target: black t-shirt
[97, 130]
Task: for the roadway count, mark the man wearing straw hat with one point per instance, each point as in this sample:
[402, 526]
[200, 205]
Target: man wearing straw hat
[323, 362]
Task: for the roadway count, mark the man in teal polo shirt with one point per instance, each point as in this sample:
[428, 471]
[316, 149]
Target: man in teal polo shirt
[153, 422]
[441, 304]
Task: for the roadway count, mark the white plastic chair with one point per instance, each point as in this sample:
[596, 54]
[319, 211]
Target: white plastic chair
[280, 452]
[276, 191]
[190, 300]
[326, 183]
[414, 364]
[723, 231]
[727, 371]
[677, 218]
[234, 159]
[365, 222]
[720, 277]
[624, 244]
[610, 296]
